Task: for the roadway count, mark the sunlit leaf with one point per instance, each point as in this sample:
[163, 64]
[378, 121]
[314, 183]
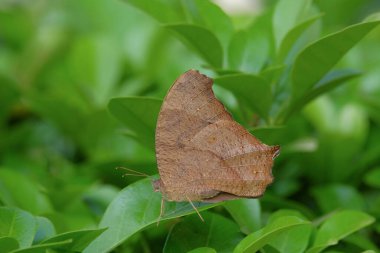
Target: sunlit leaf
[338, 226]
[292, 36]
[41, 248]
[286, 15]
[253, 90]
[211, 16]
[317, 59]
[246, 212]
[257, 240]
[79, 240]
[19, 191]
[250, 48]
[45, 229]
[202, 41]
[136, 207]
[329, 82]
[295, 240]
[17, 224]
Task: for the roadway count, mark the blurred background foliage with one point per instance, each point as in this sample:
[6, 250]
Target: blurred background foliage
[62, 61]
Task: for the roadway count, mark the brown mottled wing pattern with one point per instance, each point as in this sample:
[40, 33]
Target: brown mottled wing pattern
[202, 153]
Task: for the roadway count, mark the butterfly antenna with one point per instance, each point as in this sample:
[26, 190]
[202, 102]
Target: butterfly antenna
[132, 172]
[161, 211]
[191, 203]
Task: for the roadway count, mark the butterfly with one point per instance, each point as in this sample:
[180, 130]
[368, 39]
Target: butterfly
[202, 153]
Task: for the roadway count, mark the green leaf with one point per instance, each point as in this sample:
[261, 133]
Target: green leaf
[17, 224]
[286, 15]
[139, 114]
[317, 59]
[257, 240]
[253, 90]
[45, 229]
[161, 10]
[202, 250]
[246, 212]
[372, 178]
[134, 208]
[216, 232]
[18, 190]
[292, 36]
[250, 49]
[338, 226]
[202, 41]
[295, 240]
[272, 73]
[41, 248]
[329, 82]
[79, 240]
[8, 244]
[333, 197]
[212, 17]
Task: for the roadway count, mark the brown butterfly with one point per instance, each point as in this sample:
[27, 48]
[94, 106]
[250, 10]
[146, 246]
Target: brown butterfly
[202, 153]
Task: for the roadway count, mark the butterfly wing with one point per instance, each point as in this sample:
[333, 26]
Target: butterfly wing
[201, 151]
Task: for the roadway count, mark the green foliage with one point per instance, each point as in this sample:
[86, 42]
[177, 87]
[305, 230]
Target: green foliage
[81, 85]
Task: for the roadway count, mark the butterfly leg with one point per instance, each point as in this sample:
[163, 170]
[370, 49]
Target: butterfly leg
[196, 210]
[161, 210]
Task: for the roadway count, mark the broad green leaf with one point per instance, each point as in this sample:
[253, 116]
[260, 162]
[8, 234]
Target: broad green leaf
[45, 229]
[292, 36]
[338, 226]
[202, 250]
[333, 197]
[216, 232]
[17, 224]
[372, 178]
[295, 240]
[134, 208]
[286, 15]
[41, 248]
[211, 16]
[79, 240]
[317, 59]
[139, 114]
[202, 41]
[162, 11]
[253, 90]
[257, 240]
[19, 191]
[250, 49]
[8, 244]
[329, 82]
[272, 73]
[246, 213]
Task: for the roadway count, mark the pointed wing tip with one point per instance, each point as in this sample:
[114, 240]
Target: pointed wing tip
[276, 150]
